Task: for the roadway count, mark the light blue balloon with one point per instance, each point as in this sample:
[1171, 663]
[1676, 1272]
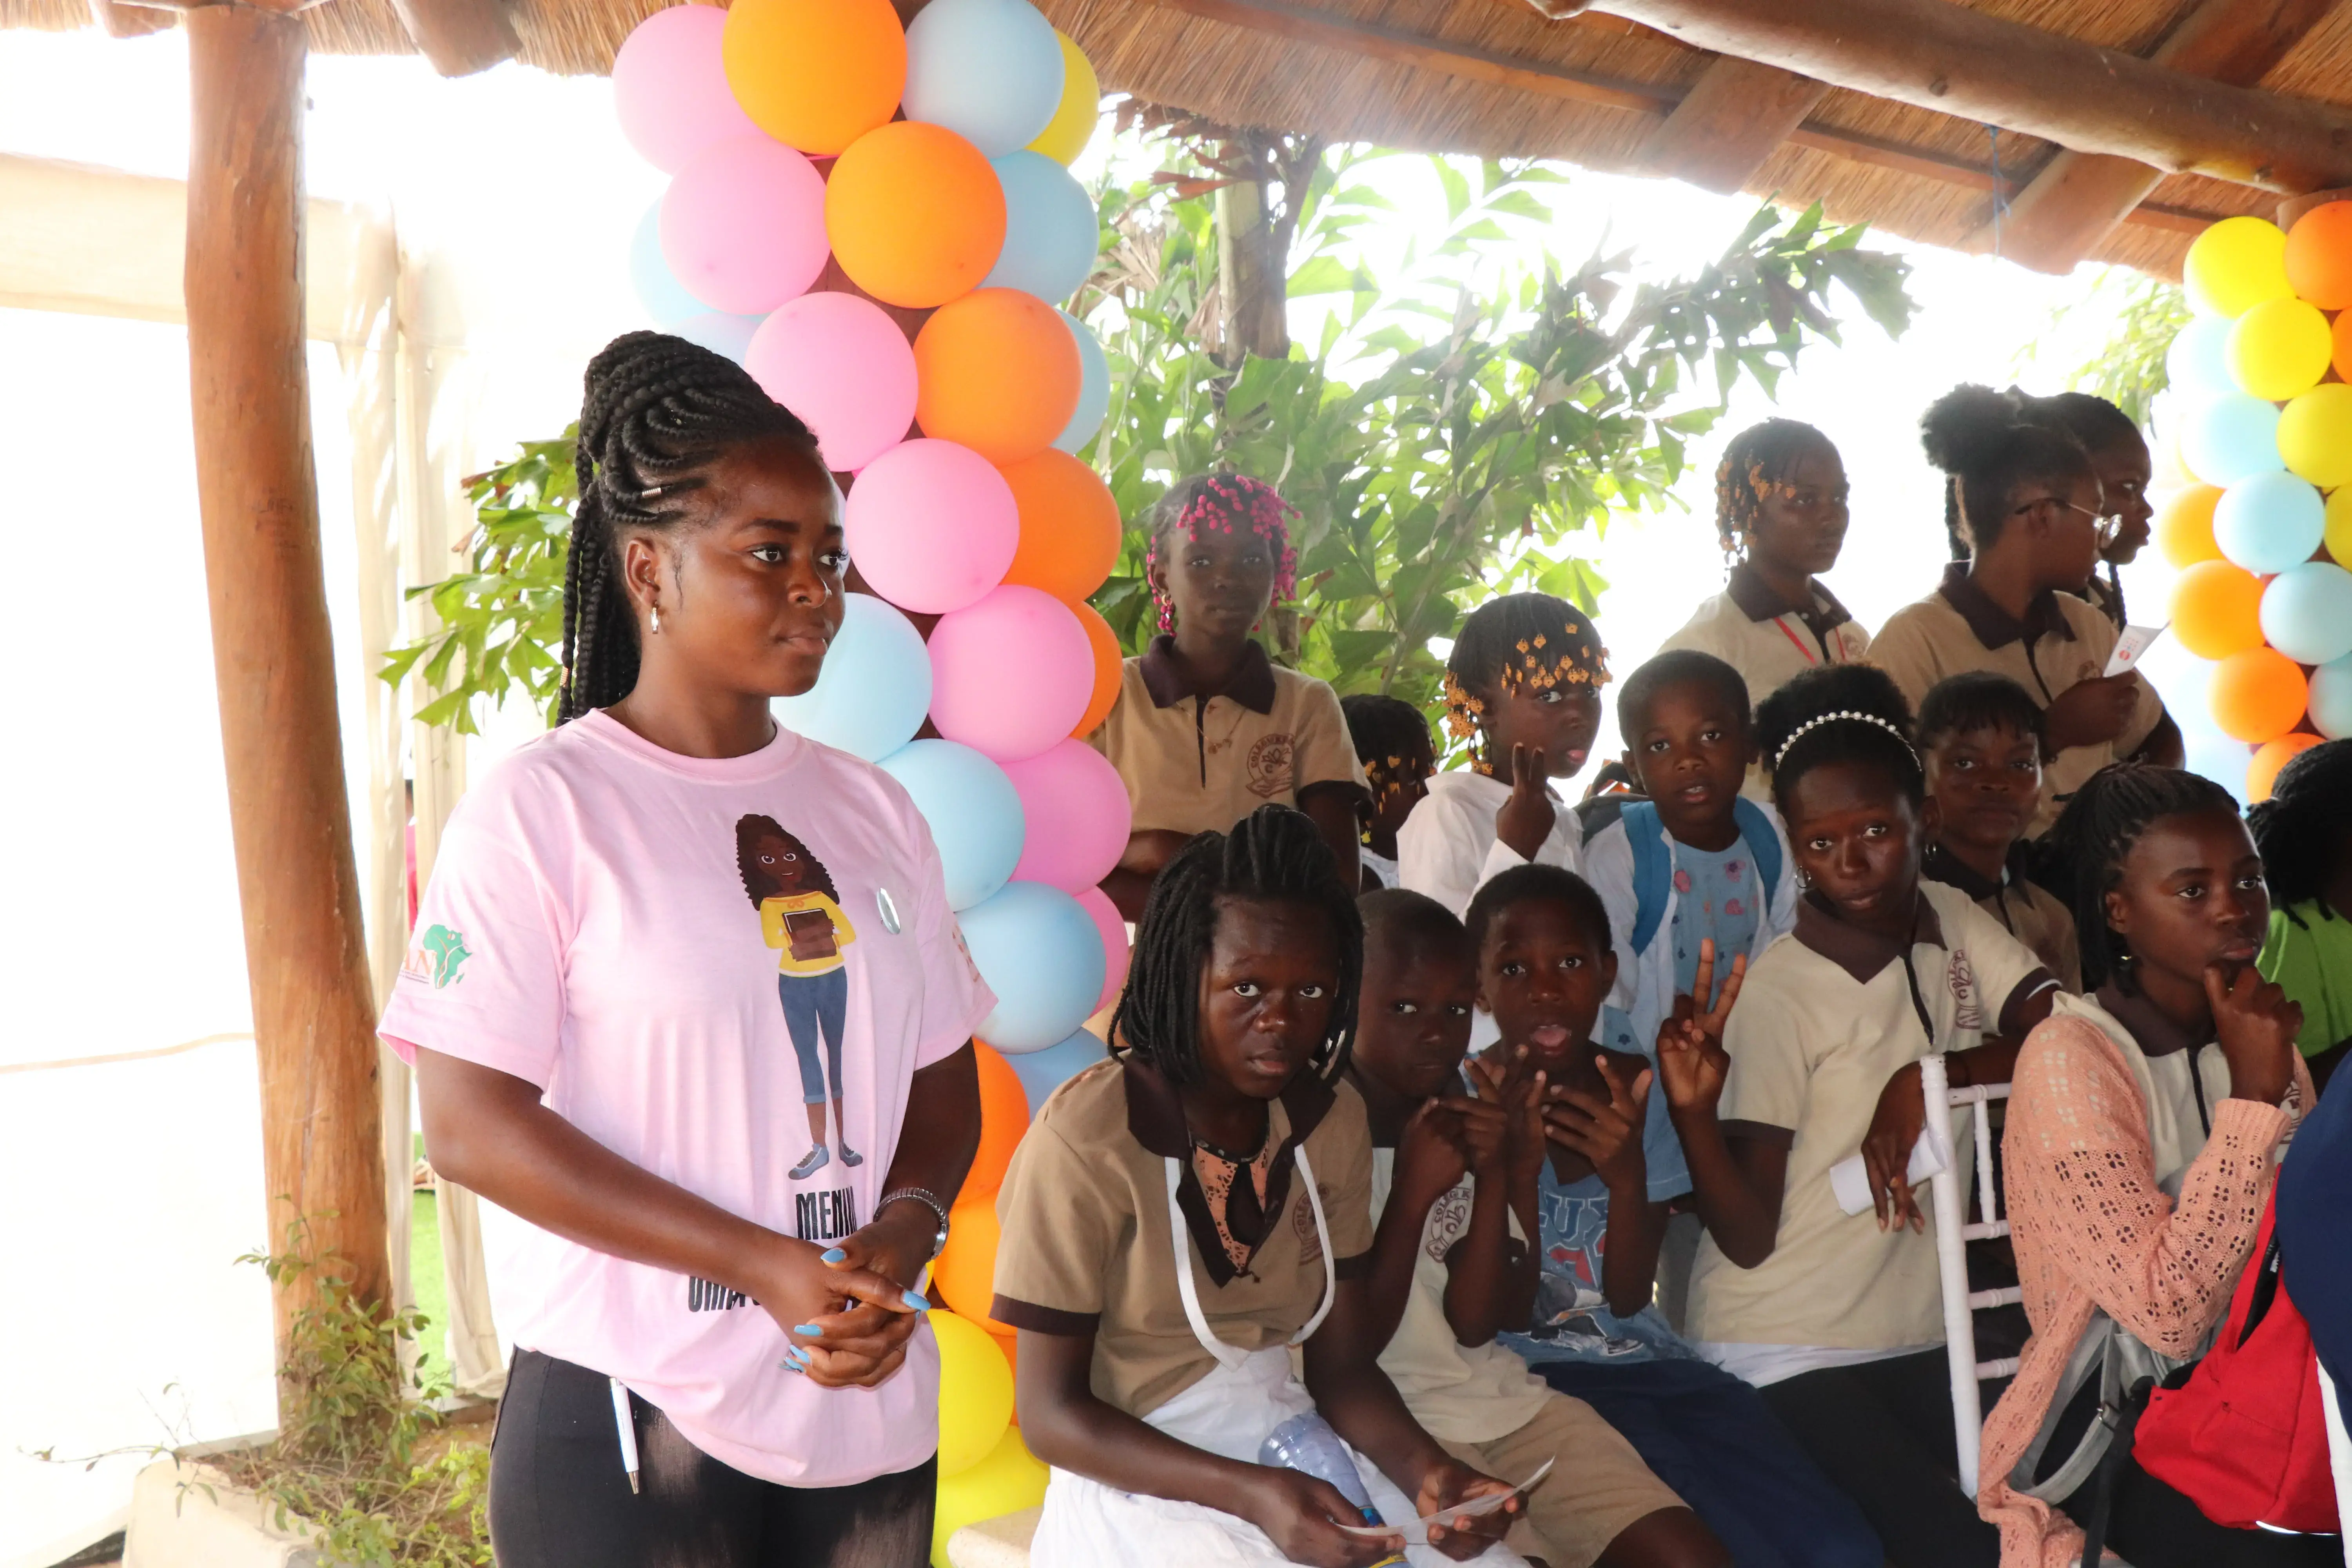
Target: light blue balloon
[2197, 362]
[658, 289]
[989, 70]
[2267, 522]
[2307, 613]
[2228, 438]
[875, 687]
[2214, 755]
[1051, 231]
[1043, 1072]
[720, 332]
[1042, 953]
[974, 813]
[2331, 701]
[1094, 387]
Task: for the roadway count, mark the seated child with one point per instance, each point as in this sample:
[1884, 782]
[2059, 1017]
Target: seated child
[1392, 743]
[1981, 738]
[1524, 684]
[1451, 1264]
[1598, 1180]
[1207, 728]
[2305, 833]
[1837, 1317]
[1177, 1218]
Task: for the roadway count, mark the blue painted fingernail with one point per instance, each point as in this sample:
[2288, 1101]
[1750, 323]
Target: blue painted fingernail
[921, 1303]
[800, 1357]
[811, 1330]
[789, 1364]
[833, 1254]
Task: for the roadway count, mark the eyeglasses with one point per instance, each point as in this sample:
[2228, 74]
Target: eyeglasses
[2103, 527]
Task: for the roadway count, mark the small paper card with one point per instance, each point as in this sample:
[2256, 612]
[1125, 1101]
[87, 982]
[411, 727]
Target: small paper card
[1449, 1518]
[2134, 642]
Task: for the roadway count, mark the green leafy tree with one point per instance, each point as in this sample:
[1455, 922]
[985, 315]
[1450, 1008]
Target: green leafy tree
[2129, 368]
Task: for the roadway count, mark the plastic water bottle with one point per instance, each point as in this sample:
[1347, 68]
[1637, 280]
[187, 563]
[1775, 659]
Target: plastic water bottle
[1305, 1443]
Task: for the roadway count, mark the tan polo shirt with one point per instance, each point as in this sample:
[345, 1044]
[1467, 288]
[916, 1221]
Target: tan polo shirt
[2061, 641]
[1767, 639]
[1198, 764]
[2026, 910]
[1827, 1016]
[1086, 1244]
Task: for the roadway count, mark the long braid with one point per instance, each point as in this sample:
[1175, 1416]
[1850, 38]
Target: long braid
[1273, 854]
[2095, 835]
[2305, 825]
[654, 411]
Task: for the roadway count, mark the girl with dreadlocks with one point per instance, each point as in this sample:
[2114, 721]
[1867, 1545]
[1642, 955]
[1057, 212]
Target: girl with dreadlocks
[1177, 1217]
[2144, 1122]
[2305, 832]
[1207, 728]
[718, 1358]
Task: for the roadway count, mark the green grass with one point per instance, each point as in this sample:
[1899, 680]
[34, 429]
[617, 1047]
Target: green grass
[432, 1292]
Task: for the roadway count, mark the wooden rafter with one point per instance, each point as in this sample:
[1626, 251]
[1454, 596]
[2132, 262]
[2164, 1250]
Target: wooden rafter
[460, 36]
[129, 21]
[1735, 116]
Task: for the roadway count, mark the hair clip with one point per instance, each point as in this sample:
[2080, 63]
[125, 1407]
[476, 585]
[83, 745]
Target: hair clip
[1809, 725]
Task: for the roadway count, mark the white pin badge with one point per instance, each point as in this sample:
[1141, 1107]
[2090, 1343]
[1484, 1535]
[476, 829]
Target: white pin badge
[886, 910]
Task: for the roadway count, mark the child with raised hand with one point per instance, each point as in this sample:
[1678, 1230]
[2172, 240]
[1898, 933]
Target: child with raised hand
[1837, 1317]
[1451, 1264]
[1178, 1217]
[1392, 742]
[2145, 1121]
[2305, 833]
[1601, 1175]
[1981, 738]
[1207, 728]
[1523, 686]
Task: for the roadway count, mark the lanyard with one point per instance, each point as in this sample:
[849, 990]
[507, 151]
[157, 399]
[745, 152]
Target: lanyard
[1227, 1356]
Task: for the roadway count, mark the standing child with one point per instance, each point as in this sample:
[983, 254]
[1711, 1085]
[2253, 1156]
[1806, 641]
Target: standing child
[1215, 1148]
[1981, 737]
[2119, 456]
[2305, 832]
[1207, 728]
[1836, 1316]
[1451, 1264]
[1392, 743]
[1523, 685]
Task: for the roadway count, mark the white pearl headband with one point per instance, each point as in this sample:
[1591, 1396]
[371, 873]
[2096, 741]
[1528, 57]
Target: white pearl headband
[1809, 725]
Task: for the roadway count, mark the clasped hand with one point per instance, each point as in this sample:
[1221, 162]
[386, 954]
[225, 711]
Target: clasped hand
[846, 1311]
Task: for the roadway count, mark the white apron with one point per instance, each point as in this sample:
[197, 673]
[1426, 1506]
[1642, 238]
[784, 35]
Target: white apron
[1230, 1413]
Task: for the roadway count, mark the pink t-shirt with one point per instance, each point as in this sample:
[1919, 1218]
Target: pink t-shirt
[625, 927]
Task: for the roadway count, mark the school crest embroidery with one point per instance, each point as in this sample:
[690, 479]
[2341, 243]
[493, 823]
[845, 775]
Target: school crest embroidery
[1449, 1216]
[1268, 765]
[1968, 1009]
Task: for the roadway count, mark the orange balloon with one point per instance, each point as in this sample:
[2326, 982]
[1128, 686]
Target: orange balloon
[915, 213]
[1069, 525]
[1010, 1343]
[2264, 771]
[815, 74]
[2217, 609]
[2257, 695]
[997, 372]
[966, 1272]
[2184, 527]
[1110, 667]
[1003, 1117]
[2320, 255]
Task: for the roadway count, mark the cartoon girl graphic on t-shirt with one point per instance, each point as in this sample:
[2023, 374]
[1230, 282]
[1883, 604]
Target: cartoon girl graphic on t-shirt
[800, 916]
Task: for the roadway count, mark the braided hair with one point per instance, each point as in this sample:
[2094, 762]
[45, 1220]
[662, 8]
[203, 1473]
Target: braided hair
[2094, 836]
[1273, 855]
[1389, 736]
[654, 411]
[1222, 502]
[2304, 829]
[1839, 713]
[760, 884]
[1757, 463]
[1993, 445]
[1519, 640]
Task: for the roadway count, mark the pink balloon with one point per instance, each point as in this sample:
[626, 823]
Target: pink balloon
[842, 365]
[932, 526]
[744, 225]
[670, 91]
[1011, 675]
[1097, 902]
[1074, 787]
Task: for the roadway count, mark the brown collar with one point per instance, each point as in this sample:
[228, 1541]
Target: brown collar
[1155, 1118]
[1252, 685]
[1994, 626]
[1940, 865]
[2156, 1035]
[1758, 602]
[1862, 954]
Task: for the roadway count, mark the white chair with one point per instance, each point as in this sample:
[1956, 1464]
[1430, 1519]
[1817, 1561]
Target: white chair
[1952, 1235]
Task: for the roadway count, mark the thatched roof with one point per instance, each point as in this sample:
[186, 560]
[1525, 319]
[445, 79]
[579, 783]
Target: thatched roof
[1495, 78]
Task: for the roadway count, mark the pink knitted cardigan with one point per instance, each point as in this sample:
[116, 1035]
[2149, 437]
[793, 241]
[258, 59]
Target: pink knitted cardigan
[2092, 1229]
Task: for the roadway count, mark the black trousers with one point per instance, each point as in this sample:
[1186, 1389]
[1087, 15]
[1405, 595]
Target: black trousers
[2149, 1525]
[559, 1498]
[1882, 1432]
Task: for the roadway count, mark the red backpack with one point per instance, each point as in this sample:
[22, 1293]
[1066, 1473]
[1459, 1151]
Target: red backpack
[2245, 1438]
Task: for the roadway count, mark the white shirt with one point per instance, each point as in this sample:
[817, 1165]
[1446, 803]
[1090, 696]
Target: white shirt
[1447, 847]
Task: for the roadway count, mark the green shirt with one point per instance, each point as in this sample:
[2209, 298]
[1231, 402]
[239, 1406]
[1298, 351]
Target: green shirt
[2309, 954]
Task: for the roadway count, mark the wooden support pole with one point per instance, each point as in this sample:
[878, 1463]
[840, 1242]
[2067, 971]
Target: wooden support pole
[1935, 55]
[1735, 116]
[460, 36]
[306, 962]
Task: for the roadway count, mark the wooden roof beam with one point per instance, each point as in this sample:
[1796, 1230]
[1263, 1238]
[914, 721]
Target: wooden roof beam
[130, 21]
[1942, 57]
[1733, 118]
[2078, 199]
[460, 36]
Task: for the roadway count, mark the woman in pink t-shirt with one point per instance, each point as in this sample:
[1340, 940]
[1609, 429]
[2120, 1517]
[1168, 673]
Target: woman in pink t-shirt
[718, 1359]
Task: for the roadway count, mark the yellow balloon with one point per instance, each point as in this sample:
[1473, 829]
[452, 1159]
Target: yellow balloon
[1073, 125]
[1010, 1480]
[2236, 264]
[2279, 348]
[2339, 526]
[975, 1393]
[2314, 436]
